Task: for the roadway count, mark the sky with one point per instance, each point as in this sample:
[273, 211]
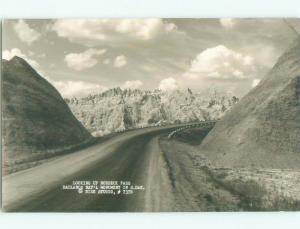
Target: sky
[84, 56]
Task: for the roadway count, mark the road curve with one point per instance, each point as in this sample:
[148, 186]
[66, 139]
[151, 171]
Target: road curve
[127, 157]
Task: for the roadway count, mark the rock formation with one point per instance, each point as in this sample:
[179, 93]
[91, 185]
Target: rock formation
[263, 129]
[35, 118]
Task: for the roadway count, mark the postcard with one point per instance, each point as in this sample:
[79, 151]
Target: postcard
[150, 115]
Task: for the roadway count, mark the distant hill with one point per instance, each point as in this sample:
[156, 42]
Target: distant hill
[263, 129]
[118, 109]
[35, 118]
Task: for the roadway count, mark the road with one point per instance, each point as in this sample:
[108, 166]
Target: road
[131, 156]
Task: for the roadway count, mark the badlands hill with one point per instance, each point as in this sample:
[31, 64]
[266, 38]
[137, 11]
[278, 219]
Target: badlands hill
[35, 118]
[263, 129]
[118, 109]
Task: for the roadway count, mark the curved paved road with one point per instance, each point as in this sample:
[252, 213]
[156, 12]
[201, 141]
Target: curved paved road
[123, 157]
[133, 156]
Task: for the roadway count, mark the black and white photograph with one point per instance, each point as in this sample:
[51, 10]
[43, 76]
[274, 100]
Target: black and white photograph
[150, 114]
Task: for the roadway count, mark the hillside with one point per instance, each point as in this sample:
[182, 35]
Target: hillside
[263, 129]
[117, 109]
[35, 118]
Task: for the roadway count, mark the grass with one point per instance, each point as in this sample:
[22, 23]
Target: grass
[253, 196]
[38, 158]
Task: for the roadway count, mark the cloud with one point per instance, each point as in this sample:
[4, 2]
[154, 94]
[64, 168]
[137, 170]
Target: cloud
[84, 60]
[8, 54]
[228, 22]
[25, 33]
[255, 82]
[91, 30]
[221, 63]
[133, 84]
[168, 84]
[120, 61]
[77, 88]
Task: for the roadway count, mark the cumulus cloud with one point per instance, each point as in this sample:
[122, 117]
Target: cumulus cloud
[25, 33]
[255, 82]
[84, 60]
[77, 88]
[132, 84]
[120, 61]
[168, 84]
[221, 63]
[89, 30]
[8, 54]
[228, 22]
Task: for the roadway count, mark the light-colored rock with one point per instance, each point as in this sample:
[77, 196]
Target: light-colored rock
[116, 109]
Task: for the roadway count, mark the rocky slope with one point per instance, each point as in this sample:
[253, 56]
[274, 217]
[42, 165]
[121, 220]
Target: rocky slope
[118, 109]
[263, 129]
[35, 118]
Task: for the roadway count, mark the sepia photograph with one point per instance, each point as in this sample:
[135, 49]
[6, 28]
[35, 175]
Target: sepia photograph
[150, 115]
